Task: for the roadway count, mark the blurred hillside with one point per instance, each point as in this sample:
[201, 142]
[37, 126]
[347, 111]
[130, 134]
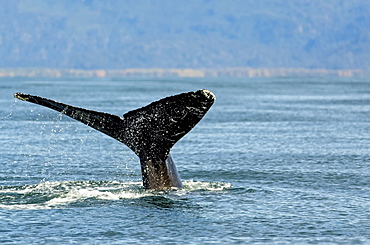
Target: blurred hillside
[107, 34]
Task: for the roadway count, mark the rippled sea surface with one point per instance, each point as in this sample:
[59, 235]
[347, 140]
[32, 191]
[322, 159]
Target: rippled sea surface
[275, 161]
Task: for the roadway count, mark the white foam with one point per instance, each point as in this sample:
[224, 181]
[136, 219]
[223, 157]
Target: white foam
[191, 185]
[65, 192]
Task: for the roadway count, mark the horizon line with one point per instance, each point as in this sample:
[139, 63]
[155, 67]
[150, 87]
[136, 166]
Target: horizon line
[180, 72]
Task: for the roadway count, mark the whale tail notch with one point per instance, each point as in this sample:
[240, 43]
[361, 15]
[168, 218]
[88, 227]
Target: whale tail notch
[150, 131]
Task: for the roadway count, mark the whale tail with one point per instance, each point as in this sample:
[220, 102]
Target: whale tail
[150, 131]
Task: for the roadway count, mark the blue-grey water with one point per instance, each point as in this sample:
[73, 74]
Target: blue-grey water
[275, 161]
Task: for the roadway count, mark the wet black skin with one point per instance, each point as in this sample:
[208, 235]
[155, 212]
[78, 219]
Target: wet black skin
[150, 131]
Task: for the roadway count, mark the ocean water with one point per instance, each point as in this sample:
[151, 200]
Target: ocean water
[275, 161]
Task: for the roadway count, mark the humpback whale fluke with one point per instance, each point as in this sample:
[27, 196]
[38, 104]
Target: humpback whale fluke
[150, 131]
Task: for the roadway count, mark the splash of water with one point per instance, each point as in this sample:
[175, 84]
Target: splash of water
[49, 195]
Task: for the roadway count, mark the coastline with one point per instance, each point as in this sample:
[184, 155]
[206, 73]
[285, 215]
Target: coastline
[160, 72]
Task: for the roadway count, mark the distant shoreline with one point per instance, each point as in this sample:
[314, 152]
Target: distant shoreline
[186, 73]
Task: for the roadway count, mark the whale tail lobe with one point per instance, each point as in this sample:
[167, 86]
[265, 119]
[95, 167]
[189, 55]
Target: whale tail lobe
[150, 131]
